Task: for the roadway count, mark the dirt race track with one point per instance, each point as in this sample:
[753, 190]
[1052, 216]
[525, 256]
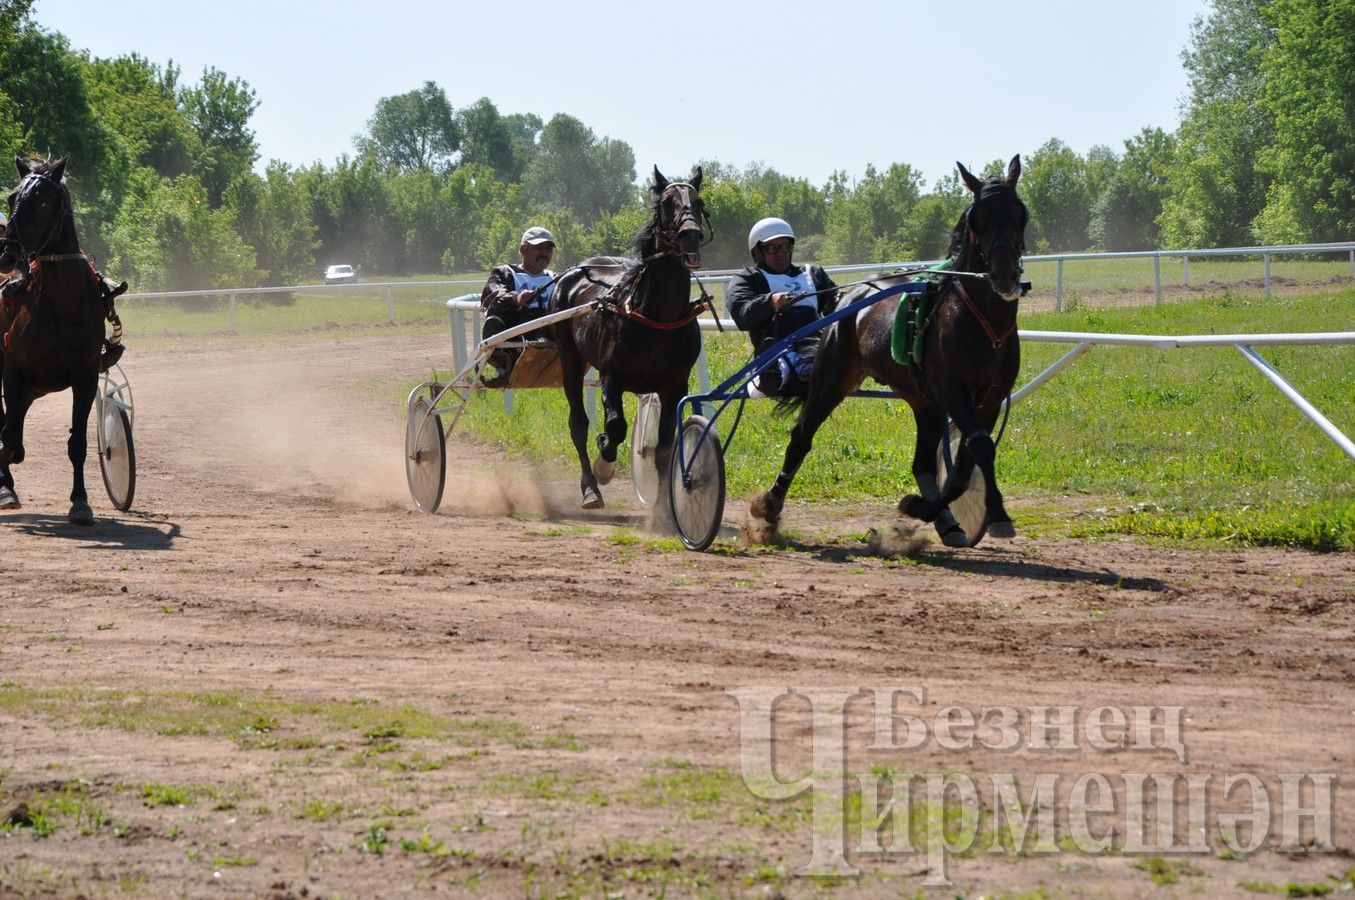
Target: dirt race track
[274, 678]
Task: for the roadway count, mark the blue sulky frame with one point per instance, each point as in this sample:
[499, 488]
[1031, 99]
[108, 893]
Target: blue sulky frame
[698, 535]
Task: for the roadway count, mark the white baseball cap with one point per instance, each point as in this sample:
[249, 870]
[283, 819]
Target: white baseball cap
[537, 235]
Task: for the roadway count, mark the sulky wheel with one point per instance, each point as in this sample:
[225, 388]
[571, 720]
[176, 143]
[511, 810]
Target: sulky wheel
[425, 455]
[117, 456]
[970, 508]
[698, 499]
[644, 445]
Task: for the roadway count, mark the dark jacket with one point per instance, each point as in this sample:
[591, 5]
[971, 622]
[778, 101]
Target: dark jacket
[748, 299]
[500, 296]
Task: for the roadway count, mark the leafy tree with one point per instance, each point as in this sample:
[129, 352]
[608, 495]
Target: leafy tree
[733, 207]
[929, 227]
[167, 237]
[1054, 184]
[273, 217]
[467, 194]
[219, 108]
[413, 131]
[502, 145]
[351, 211]
[1126, 212]
[44, 81]
[13, 17]
[575, 170]
[1215, 187]
[1309, 90]
[137, 100]
[870, 222]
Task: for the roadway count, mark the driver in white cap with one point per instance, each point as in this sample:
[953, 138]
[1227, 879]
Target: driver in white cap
[773, 299]
[517, 293]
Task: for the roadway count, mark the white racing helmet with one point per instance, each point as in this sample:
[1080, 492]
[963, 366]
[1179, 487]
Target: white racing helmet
[769, 229]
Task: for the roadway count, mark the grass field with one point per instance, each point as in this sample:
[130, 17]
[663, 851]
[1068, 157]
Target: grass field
[1087, 283]
[1182, 444]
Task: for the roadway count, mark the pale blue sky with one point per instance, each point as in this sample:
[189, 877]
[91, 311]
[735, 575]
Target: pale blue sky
[804, 87]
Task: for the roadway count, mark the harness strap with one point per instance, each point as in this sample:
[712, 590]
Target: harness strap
[983, 320]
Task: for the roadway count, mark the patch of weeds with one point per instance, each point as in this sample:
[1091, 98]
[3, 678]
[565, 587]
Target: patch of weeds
[320, 810]
[546, 786]
[1162, 871]
[239, 861]
[424, 843]
[156, 794]
[375, 839]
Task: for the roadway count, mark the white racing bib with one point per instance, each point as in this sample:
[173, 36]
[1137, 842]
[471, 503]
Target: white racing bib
[524, 282]
[793, 284]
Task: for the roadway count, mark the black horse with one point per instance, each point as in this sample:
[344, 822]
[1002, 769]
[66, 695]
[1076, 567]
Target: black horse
[969, 362]
[643, 337]
[52, 322]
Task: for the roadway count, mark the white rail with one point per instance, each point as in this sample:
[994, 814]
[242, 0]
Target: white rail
[1084, 341]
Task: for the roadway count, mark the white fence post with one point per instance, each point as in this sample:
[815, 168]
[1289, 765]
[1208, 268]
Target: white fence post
[1266, 258]
[1157, 279]
[390, 306]
[1058, 285]
[232, 313]
[1185, 271]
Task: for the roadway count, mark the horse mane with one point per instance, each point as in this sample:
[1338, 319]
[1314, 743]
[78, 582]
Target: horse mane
[643, 245]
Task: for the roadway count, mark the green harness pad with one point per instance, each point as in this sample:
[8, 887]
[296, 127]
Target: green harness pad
[910, 321]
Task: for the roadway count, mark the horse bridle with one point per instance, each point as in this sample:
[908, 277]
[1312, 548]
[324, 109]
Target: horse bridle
[667, 242]
[10, 236]
[984, 259]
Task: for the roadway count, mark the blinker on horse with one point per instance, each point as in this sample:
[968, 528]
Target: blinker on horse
[52, 322]
[970, 358]
[643, 336]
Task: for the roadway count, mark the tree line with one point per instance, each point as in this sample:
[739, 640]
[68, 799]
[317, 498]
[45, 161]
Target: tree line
[163, 169]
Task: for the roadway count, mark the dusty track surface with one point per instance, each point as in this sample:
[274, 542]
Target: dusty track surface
[274, 678]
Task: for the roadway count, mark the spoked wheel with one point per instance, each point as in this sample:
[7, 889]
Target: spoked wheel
[970, 508]
[698, 500]
[425, 455]
[117, 456]
[644, 445]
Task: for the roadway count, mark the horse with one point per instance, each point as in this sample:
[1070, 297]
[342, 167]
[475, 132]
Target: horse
[970, 358]
[52, 321]
[642, 337]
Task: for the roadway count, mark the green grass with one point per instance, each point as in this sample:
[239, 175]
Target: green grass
[1182, 444]
[412, 302]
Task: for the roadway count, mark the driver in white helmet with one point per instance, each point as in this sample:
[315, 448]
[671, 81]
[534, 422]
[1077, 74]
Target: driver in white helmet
[773, 298]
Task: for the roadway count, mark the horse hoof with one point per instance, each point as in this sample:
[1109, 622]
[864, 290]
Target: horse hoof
[955, 537]
[760, 531]
[80, 514]
[1004, 529]
[592, 498]
[915, 507]
[9, 499]
[603, 470]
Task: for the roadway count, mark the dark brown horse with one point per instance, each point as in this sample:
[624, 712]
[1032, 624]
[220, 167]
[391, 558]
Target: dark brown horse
[52, 322]
[970, 359]
[643, 338]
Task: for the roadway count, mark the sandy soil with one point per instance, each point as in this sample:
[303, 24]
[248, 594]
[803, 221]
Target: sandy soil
[274, 678]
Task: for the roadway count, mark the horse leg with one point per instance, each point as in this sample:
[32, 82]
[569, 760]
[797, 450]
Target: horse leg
[77, 447]
[572, 369]
[931, 430]
[8, 498]
[765, 508]
[612, 434]
[17, 402]
[661, 514]
[977, 450]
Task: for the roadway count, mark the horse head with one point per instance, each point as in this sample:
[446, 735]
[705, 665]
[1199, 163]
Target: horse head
[994, 230]
[39, 212]
[678, 213]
